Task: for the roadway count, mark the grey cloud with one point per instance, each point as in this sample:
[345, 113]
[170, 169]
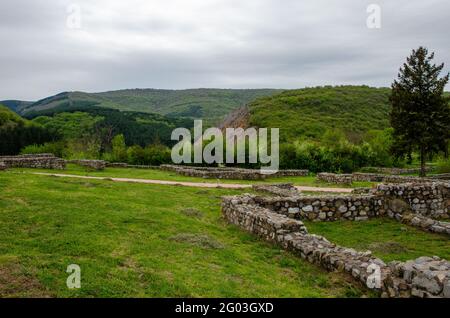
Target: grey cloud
[215, 43]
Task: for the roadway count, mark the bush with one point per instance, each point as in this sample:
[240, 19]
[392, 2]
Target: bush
[56, 148]
[443, 166]
[156, 155]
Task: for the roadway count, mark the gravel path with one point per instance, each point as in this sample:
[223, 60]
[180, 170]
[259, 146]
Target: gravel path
[190, 184]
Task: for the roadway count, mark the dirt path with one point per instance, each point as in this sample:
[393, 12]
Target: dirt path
[189, 184]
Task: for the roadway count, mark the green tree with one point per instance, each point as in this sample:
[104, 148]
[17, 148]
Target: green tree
[119, 149]
[420, 113]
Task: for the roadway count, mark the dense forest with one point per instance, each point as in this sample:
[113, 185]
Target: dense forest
[336, 129]
[16, 133]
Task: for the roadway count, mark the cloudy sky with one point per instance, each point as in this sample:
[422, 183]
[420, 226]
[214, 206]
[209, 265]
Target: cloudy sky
[50, 46]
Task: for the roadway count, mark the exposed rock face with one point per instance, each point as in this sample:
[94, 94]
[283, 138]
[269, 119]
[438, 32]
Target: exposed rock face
[424, 277]
[237, 119]
[335, 178]
[229, 173]
[44, 161]
[91, 164]
[281, 190]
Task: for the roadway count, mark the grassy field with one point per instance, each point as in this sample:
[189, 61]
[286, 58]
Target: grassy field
[135, 240]
[386, 238]
[172, 176]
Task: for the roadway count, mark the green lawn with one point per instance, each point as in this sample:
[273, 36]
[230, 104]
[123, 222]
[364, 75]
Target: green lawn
[386, 238]
[134, 240]
[172, 176]
[138, 240]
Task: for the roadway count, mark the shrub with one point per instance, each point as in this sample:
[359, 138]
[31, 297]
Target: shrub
[56, 148]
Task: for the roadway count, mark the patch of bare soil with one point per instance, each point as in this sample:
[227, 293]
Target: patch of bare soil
[14, 282]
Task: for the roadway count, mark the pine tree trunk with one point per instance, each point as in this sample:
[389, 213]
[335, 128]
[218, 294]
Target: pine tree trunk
[422, 162]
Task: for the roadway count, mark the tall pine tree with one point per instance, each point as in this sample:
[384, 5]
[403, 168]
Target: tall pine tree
[420, 113]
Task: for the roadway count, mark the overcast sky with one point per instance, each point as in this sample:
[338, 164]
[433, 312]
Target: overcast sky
[209, 43]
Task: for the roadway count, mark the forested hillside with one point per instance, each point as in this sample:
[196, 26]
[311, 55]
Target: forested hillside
[310, 112]
[16, 132]
[209, 104]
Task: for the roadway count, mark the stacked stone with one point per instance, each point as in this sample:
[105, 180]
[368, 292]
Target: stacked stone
[229, 173]
[397, 171]
[43, 161]
[279, 190]
[2, 166]
[259, 221]
[425, 223]
[126, 165]
[443, 176]
[335, 178]
[426, 199]
[368, 177]
[291, 173]
[318, 250]
[406, 179]
[91, 164]
[425, 277]
[324, 208]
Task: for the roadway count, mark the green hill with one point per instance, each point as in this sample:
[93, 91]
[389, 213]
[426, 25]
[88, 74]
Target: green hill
[310, 112]
[16, 132]
[16, 105]
[9, 118]
[209, 104]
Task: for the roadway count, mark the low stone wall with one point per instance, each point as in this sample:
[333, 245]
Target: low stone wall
[126, 165]
[2, 166]
[280, 190]
[335, 178]
[259, 221]
[369, 177]
[323, 208]
[424, 223]
[43, 161]
[424, 277]
[406, 179]
[427, 199]
[396, 171]
[229, 173]
[91, 164]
